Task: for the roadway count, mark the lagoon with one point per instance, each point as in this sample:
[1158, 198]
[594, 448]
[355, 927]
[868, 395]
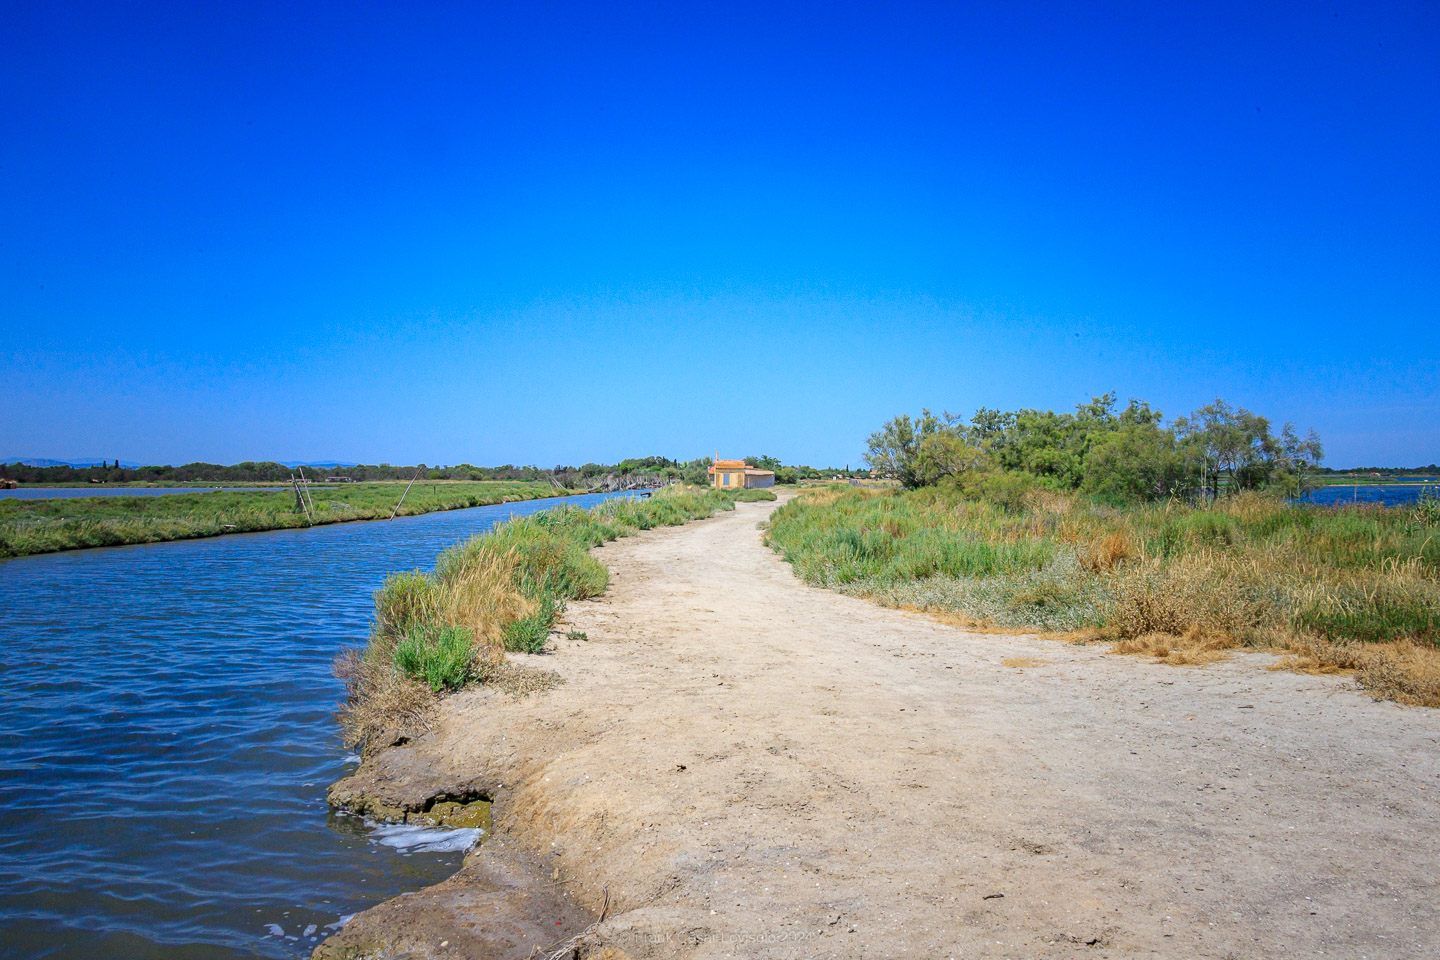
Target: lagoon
[1388, 494]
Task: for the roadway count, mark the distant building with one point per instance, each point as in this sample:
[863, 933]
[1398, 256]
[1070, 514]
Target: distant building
[737, 474]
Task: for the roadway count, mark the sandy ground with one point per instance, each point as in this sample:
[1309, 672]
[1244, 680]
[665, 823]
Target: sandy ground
[745, 766]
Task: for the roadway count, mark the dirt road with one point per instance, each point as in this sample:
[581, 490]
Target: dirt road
[750, 767]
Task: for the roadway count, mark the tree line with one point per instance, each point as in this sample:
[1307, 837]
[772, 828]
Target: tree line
[694, 471]
[1120, 454]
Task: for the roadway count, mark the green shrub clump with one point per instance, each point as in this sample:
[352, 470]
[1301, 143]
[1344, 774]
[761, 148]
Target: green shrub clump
[438, 655]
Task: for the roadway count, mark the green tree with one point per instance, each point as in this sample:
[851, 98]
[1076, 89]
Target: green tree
[945, 454]
[894, 449]
[1136, 461]
[1233, 444]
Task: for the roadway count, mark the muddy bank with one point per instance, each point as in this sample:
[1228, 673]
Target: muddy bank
[740, 765]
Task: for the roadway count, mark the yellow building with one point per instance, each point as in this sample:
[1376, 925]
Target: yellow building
[736, 475]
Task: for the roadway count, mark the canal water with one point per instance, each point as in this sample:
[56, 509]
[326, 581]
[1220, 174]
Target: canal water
[169, 733]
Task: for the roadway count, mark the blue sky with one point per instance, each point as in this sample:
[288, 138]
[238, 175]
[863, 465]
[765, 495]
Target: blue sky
[552, 233]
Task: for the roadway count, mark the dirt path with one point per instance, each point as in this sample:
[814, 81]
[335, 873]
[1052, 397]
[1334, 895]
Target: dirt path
[755, 768]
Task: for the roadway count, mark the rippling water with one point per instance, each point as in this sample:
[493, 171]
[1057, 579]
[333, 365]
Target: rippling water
[1391, 495]
[168, 715]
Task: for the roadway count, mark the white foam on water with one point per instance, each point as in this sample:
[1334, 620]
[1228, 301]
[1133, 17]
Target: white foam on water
[412, 838]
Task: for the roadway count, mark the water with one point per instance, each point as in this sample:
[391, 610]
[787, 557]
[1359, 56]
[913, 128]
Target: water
[170, 735]
[1391, 495]
[49, 493]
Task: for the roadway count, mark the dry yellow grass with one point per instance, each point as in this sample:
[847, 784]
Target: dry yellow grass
[1402, 671]
[1195, 647]
[384, 706]
[481, 596]
[1106, 553]
[1020, 663]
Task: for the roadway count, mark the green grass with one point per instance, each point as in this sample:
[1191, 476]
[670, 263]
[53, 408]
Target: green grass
[1252, 568]
[69, 523]
[438, 655]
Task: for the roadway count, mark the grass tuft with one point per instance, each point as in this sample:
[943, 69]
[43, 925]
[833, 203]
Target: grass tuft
[438, 655]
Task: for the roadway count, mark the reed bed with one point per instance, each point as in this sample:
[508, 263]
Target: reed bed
[1352, 589]
[494, 594]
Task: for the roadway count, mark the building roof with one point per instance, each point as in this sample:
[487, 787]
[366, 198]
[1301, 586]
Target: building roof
[757, 472]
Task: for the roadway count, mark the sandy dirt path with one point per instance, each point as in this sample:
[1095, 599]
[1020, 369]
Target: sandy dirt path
[749, 767]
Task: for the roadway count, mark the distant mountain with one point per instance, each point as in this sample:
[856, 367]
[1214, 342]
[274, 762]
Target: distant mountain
[319, 464]
[42, 462]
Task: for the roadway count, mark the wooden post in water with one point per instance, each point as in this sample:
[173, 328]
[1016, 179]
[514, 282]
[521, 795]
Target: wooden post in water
[402, 496]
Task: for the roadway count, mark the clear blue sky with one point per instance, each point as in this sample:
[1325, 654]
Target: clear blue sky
[548, 233]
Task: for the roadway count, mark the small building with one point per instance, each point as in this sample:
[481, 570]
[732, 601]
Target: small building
[737, 475]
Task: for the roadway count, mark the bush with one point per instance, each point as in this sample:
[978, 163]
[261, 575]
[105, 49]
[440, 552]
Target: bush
[438, 655]
[529, 633]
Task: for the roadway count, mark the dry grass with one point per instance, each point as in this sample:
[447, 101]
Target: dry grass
[1404, 672]
[1106, 553]
[1020, 663]
[383, 706]
[481, 596]
[518, 681]
[1195, 647]
[1349, 591]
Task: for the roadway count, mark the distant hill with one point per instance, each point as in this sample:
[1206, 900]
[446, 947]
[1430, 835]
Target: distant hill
[319, 464]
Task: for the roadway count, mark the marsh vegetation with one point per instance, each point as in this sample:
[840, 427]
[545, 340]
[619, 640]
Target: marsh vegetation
[1356, 588]
[1174, 540]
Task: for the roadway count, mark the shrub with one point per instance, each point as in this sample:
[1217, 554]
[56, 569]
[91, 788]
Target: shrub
[529, 633]
[438, 655]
